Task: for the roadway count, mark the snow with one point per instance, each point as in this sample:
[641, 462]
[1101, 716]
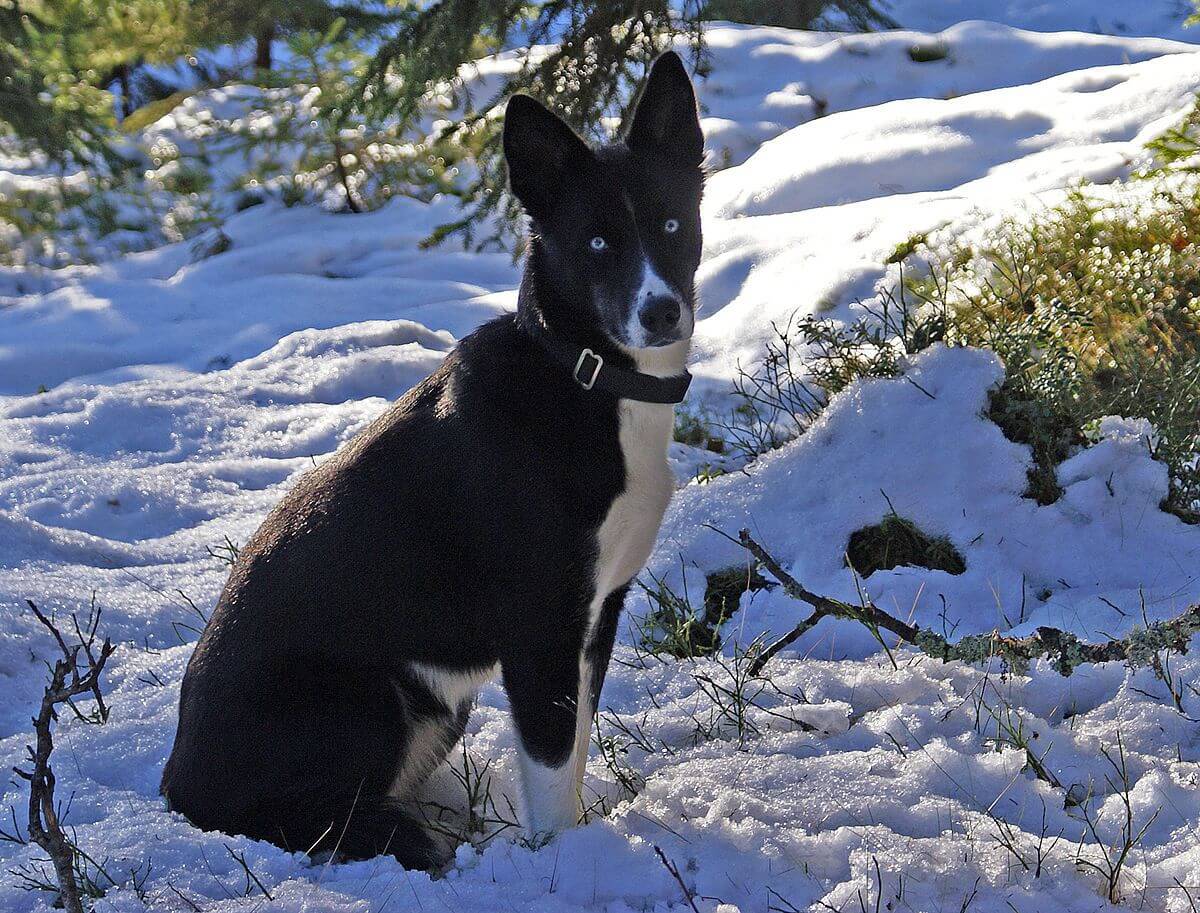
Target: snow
[767, 80]
[808, 221]
[1149, 17]
[184, 393]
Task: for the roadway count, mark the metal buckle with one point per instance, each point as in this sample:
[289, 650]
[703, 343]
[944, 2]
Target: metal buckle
[585, 354]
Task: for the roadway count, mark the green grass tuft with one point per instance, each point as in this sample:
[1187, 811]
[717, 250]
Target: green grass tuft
[695, 431]
[675, 628]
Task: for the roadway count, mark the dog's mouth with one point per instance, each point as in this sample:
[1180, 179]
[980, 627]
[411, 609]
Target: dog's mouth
[661, 342]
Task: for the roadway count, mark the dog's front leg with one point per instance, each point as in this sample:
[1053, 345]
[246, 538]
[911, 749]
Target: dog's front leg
[553, 721]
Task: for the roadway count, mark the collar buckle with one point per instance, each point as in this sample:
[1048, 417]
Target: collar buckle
[587, 382]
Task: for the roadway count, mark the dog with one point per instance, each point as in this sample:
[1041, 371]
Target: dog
[491, 520]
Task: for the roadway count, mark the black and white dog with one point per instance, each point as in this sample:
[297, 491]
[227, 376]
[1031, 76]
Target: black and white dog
[491, 519]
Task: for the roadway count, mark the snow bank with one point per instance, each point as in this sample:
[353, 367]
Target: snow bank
[1110, 17]
[920, 444]
[806, 224]
[765, 81]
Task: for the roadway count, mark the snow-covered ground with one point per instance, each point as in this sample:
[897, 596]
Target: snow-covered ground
[182, 395]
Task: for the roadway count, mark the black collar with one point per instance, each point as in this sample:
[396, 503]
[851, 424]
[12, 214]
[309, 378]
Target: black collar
[592, 372]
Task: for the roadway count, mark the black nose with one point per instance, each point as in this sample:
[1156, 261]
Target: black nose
[659, 315]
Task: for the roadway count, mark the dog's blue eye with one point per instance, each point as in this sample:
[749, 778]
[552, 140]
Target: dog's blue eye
[599, 243]
[671, 226]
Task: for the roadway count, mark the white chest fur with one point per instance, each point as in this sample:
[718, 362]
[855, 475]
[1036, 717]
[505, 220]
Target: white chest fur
[625, 538]
[627, 534]
[553, 795]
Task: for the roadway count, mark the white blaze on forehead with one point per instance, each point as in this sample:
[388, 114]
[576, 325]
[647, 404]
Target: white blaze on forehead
[653, 283]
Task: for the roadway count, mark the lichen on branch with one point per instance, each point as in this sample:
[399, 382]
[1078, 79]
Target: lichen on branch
[1065, 651]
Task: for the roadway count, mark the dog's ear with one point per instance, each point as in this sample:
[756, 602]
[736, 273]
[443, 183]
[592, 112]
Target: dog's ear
[540, 150]
[666, 121]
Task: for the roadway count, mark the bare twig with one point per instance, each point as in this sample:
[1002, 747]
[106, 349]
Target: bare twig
[1113, 858]
[251, 877]
[76, 674]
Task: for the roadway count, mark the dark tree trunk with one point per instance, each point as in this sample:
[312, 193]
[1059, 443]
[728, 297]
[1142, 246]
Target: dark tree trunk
[126, 90]
[262, 47]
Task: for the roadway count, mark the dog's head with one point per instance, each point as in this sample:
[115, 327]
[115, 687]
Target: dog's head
[615, 229]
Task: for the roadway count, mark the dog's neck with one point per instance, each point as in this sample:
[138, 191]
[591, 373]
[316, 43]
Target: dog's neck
[533, 315]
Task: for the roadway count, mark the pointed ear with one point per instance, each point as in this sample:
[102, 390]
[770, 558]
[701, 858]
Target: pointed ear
[666, 121]
[540, 150]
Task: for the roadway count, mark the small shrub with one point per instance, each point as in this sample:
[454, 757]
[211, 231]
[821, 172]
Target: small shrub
[896, 541]
[674, 627]
[1049, 433]
[1095, 308]
[811, 359]
[1178, 149]
[775, 401]
[695, 431]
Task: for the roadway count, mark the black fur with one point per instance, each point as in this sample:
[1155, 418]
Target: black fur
[458, 530]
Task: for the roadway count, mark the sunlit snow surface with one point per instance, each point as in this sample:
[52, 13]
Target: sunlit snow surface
[184, 397]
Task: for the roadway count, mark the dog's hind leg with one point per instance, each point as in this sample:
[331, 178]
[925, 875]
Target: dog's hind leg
[351, 826]
[430, 739]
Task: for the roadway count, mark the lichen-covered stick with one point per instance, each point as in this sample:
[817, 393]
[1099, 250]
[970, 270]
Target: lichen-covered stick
[1066, 651]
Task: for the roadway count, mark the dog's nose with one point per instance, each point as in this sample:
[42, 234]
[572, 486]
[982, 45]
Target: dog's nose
[659, 314]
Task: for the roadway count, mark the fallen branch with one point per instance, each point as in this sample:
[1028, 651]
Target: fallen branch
[1066, 651]
[76, 674]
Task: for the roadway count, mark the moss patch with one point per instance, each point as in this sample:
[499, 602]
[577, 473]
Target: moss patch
[1049, 432]
[896, 541]
[724, 588]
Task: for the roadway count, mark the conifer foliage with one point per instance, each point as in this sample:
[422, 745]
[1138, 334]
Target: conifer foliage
[362, 100]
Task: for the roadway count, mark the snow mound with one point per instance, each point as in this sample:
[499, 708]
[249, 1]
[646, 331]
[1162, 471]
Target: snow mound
[765, 81]
[920, 444]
